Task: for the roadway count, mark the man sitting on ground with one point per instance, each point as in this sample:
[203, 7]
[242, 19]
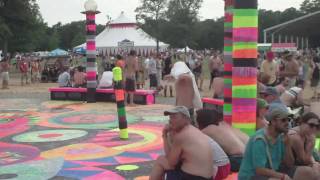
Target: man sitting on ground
[188, 154]
[206, 119]
[303, 141]
[267, 149]
[209, 123]
[106, 80]
[64, 78]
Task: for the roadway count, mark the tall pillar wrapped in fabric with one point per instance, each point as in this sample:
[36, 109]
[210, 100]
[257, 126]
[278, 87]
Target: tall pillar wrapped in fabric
[91, 69]
[120, 99]
[227, 107]
[244, 71]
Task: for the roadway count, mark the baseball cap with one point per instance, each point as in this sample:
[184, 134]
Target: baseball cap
[178, 109]
[262, 103]
[280, 113]
[294, 91]
[270, 91]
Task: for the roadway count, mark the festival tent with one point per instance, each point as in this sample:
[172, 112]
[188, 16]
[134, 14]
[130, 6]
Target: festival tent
[58, 52]
[186, 49]
[122, 35]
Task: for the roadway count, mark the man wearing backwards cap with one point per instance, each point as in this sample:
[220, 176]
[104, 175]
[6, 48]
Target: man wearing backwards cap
[188, 154]
[269, 148]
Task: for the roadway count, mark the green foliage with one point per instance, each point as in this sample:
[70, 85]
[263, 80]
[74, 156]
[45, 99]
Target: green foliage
[309, 6]
[175, 22]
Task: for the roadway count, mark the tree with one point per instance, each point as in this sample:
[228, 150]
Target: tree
[309, 6]
[182, 16]
[20, 19]
[150, 13]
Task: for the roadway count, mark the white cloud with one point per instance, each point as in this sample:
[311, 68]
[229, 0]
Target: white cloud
[66, 11]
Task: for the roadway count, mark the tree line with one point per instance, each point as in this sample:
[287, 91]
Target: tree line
[176, 22]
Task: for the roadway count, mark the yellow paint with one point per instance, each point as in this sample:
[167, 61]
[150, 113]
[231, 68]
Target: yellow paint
[124, 134]
[117, 74]
[81, 152]
[148, 139]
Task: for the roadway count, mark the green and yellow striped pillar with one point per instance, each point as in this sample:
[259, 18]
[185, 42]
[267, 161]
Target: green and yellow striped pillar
[228, 17]
[244, 71]
[120, 99]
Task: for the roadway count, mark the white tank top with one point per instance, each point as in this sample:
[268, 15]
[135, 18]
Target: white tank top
[220, 158]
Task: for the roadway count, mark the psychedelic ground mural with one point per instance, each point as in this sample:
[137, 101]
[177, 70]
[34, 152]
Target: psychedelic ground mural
[72, 140]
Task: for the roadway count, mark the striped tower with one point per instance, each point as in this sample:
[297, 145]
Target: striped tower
[91, 53]
[244, 71]
[120, 99]
[227, 107]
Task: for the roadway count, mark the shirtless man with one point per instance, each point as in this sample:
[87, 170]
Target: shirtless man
[291, 70]
[187, 93]
[130, 75]
[303, 141]
[215, 64]
[209, 123]
[182, 160]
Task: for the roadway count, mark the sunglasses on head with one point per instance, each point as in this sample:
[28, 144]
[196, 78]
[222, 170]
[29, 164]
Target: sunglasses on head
[312, 125]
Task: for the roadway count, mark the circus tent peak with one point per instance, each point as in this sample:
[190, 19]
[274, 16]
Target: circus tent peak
[123, 30]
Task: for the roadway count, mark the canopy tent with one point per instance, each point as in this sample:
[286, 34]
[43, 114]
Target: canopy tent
[186, 49]
[303, 31]
[80, 50]
[58, 52]
[123, 34]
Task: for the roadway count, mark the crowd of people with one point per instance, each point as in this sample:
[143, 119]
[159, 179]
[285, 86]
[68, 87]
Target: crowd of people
[281, 148]
[30, 70]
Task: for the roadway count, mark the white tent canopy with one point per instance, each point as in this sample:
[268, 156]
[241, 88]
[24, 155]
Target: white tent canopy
[123, 34]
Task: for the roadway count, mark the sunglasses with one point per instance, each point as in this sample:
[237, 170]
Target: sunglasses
[284, 120]
[312, 125]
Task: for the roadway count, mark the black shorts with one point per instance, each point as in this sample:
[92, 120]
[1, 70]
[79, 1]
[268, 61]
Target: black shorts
[180, 175]
[288, 171]
[235, 161]
[130, 85]
[153, 80]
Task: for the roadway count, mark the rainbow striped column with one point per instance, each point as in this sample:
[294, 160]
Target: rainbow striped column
[119, 93]
[244, 71]
[91, 57]
[227, 107]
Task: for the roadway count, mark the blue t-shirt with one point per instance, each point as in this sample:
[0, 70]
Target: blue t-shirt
[255, 155]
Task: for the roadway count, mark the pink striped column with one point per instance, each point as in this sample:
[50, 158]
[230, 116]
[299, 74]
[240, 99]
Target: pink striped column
[91, 68]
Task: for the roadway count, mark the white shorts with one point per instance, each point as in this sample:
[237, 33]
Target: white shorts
[5, 76]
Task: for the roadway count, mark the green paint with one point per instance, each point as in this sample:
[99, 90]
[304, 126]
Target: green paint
[117, 74]
[127, 168]
[245, 21]
[244, 91]
[228, 48]
[121, 111]
[227, 108]
[228, 25]
[245, 12]
[245, 45]
[64, 135]
[227, 81]
[34, 170]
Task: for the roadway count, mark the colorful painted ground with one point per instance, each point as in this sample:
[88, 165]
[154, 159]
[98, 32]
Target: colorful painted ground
[71, 140]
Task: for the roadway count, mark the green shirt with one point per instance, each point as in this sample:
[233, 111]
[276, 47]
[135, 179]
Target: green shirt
[256, 155]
